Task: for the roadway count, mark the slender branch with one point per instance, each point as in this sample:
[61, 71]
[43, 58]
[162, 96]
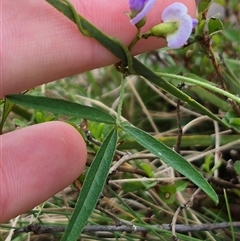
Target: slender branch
[222, 183]
[111, 215]
[135, 40]
[180, 132]
[217, 155]
[182, 228]
[179, 137]
[216, 65]
[180, 208]
[128, 157]
[132, 169]
[98, 143]
[206, 42]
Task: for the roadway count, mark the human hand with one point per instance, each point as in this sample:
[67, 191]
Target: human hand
[41, 45]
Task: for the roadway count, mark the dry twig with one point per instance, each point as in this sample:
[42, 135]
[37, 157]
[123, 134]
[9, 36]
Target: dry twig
[182, 228]
[182, 206]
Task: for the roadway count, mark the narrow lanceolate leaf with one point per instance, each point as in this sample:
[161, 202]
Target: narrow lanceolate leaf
[92, 187]
[170, 157]
[62, 107]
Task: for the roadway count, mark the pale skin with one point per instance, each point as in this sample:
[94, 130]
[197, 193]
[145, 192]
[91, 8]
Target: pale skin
[40, 45]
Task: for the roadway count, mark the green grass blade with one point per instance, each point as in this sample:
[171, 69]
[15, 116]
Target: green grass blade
[170, 157]
[92, 187]
[186, 141]
[6, 110]
[229, 214]
[62, 107]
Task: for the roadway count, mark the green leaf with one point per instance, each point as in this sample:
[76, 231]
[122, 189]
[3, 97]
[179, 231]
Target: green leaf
[204, 5]
[170, 157]
[138, 185]
[92, 187]
[147, 168]
[62, 107]
[214, 26]
[208, 162]
[167, 193]
[232, 119]
[20, 123]
[235, 121]
[180, 185]
[230, 115]
[132, 186]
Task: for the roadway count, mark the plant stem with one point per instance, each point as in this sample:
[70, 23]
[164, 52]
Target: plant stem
[135, 40]
[121, 98]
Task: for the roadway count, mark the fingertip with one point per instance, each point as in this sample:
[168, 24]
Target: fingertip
[37, 162]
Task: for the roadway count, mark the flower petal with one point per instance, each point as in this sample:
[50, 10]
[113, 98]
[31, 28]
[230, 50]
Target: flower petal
[180, 37]
[194, 22]
[143, 12]
[174, 12]
[136, 5]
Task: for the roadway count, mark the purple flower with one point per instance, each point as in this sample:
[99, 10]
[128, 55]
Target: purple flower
[177, 12]
[139, 9]
[194, 22]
